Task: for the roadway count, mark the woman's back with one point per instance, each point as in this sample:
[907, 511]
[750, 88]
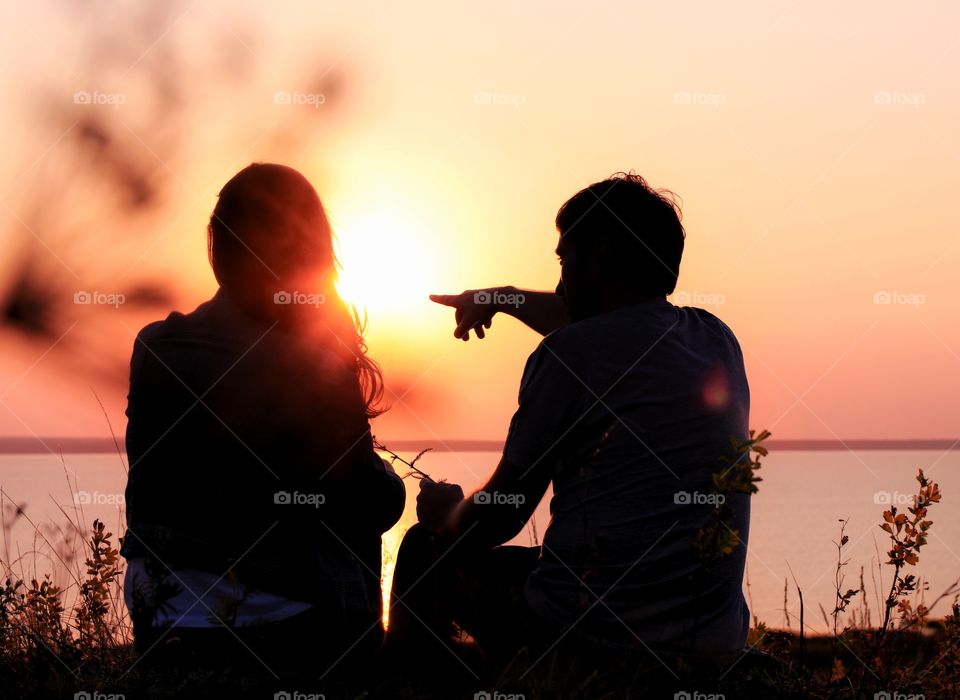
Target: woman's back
[248, 430]
[225, 416]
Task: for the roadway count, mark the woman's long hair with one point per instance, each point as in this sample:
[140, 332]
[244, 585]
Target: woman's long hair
[269, 236]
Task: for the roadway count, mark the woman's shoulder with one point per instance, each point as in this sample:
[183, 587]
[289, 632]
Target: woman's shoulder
[212, 317]
[156, 330]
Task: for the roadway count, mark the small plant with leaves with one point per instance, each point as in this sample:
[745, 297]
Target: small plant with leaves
[842, 601]
[41, 618]
[948, 652]
[94, 605]
[908, 533]
[718, 538]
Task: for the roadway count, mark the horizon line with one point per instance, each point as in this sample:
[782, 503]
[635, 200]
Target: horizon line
[106, 445]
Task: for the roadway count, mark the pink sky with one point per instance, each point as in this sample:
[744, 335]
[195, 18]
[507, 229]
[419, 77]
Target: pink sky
[814, 147]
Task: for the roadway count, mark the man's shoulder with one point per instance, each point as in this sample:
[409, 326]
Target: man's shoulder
[714, 322]
[562, 337]
[564, 344]
[709, 320]
[586, 332]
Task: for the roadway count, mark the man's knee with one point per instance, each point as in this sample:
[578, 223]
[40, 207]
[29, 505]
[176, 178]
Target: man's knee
[417, 539]
[416, 551]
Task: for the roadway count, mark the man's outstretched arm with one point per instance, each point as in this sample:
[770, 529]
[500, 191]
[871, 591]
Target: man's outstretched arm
[490, 516]
[544, 312]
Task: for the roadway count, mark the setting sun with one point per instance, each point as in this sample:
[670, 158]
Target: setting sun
[384, 260]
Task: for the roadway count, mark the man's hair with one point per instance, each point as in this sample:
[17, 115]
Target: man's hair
[640, 225]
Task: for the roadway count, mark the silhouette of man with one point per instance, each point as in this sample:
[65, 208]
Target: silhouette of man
[626, 407]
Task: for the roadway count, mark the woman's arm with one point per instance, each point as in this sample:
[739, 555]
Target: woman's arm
[388, 495]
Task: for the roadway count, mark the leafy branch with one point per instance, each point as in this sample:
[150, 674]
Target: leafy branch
[718, 538]
[907, 535]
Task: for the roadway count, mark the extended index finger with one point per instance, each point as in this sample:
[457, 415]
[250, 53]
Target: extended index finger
[445, 299]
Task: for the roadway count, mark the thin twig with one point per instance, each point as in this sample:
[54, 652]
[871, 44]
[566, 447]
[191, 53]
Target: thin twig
[394, 457]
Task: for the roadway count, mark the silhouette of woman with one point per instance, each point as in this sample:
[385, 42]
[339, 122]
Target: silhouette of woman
[255, 500]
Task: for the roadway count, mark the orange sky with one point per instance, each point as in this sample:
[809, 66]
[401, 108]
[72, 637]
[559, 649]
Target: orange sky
[814, 147]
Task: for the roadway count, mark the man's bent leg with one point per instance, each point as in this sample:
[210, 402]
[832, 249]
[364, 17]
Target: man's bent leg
[420, 613]
[490, 603]
[434, 591]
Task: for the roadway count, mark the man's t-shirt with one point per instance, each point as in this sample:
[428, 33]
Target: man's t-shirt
[633, 411]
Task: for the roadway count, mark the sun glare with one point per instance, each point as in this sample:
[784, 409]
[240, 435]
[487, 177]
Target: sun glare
[385, 262]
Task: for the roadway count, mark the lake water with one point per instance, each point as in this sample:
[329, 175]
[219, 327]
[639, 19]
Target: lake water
[794, 522]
